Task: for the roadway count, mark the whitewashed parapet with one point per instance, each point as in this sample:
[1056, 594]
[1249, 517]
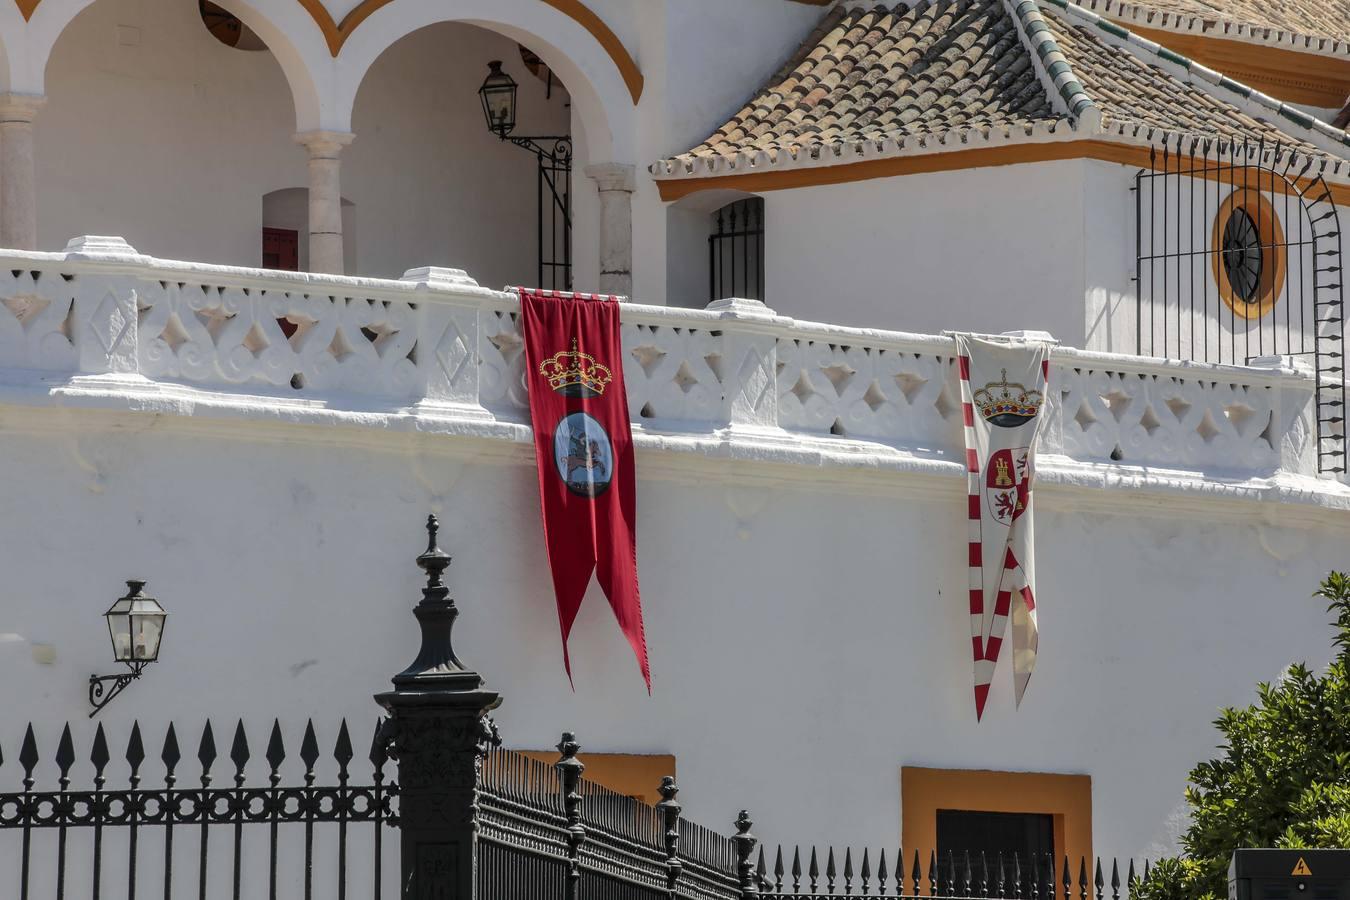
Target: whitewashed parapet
[437, 340]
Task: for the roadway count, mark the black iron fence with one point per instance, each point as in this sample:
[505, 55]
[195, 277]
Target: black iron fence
[182, 829]
[465, 818]
[1238, 255]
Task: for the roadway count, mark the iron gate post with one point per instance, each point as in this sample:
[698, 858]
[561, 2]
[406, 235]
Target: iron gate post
[438, 731]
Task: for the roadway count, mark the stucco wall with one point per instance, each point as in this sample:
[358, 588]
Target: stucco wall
[173, 140]
[985, 249]
[808, 635]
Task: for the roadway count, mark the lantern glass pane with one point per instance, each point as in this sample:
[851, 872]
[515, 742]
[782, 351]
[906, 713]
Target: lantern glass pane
[146, 629]
[119, 630]
[499, 106]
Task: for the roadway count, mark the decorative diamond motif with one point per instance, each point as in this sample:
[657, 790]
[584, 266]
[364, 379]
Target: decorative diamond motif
[110, 324]
[452, 353]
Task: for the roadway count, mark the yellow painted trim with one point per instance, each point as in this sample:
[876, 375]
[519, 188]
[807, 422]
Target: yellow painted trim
[1068, 798]
[1013, 154]
[1271, 234]
[631, 774]
[1287, 75]
[336, 34]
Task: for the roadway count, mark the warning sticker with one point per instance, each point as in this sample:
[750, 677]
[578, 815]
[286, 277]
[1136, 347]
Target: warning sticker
[1301, 868]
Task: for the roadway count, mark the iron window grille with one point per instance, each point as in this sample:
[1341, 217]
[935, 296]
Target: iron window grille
[1238, 257]
[736, 251]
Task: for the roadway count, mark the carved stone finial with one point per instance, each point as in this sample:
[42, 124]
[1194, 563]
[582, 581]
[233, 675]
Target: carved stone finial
[743, 822]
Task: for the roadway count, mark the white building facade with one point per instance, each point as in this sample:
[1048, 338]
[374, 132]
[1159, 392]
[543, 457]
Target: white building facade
[262, 445]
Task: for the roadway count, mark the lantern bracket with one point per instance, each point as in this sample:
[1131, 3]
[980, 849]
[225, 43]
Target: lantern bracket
[102, 688]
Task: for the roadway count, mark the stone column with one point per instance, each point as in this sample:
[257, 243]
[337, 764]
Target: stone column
[616, 182]
[18, 194]
[325, 198]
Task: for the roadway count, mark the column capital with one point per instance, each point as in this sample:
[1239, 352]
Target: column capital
[613, 176]
[20, 107]
[324, 144]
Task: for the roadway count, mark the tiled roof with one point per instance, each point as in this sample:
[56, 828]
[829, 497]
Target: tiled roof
[1132, 93]
[881, 79]
[1310, 24]
[872, 73]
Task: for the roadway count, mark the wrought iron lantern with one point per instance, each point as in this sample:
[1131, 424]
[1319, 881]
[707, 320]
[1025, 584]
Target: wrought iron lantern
[554, 155]
[135, 626]
[498, 94]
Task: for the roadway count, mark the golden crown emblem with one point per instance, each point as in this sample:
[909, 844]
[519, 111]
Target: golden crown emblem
[1007, 404]
[576, 374]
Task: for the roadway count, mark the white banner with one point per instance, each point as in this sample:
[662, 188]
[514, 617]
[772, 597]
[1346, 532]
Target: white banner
[1003, 391]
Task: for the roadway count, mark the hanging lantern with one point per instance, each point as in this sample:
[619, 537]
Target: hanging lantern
[498, 94]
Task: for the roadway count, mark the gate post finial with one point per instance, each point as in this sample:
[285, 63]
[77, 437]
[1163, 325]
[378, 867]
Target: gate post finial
[745, 843]
[439, 733]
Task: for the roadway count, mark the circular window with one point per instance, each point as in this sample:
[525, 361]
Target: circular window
[1248, 253]
[226, 27]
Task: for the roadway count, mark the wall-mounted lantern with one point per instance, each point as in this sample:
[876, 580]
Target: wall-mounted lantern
[498, 94]
[135, 626]
[554, 153]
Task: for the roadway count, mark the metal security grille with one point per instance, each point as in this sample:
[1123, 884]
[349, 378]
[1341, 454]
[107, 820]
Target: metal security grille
[1238, 257]
[736, 251]
[555, 213]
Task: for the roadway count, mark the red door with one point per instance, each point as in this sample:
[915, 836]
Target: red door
[281, 249]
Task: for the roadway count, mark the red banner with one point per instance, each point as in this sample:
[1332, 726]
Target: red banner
[583, 448]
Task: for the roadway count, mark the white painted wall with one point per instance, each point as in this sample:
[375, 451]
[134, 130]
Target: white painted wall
[990, 250]
[801, 625]
[151, 123]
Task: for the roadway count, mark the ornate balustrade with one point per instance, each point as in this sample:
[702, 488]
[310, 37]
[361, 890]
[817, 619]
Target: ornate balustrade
[437, 341]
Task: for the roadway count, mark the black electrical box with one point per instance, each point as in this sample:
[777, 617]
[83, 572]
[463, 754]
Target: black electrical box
[1289, 875]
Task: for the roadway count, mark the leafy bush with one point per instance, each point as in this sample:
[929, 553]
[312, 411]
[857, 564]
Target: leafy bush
[1283, 779]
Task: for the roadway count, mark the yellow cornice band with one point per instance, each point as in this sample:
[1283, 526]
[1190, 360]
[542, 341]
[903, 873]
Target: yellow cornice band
[336, 34]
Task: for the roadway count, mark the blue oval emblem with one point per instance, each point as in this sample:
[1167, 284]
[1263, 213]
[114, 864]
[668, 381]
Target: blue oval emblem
[583, 455]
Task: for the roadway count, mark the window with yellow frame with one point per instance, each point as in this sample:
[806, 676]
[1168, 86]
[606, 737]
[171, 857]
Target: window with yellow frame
[1248, 253]
[927, 794]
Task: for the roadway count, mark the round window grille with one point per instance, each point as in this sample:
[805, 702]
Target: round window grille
[1242, 256]
[1248, 253]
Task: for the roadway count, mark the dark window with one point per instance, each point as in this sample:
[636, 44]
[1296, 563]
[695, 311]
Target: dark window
[736, 251]
[1027, 838]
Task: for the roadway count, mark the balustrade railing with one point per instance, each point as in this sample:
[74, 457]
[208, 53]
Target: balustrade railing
[436, 341]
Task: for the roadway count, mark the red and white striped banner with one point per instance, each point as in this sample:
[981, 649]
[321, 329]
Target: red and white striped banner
[1003, 390]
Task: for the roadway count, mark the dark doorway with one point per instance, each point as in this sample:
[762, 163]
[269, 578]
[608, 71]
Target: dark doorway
[1025, 840]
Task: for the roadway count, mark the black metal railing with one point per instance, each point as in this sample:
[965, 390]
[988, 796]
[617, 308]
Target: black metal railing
[1238, 256]
[169, 828]
[813, 873]
[736, 251]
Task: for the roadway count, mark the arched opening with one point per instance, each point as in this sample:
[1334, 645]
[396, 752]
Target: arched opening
[285, 230]
[436, 186]
[715, 248]
[157, 131]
